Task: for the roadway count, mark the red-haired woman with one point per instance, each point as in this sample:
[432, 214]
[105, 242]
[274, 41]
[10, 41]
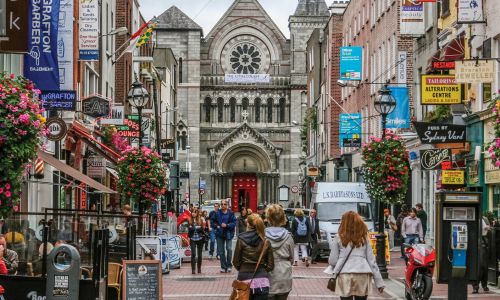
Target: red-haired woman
[353, 261]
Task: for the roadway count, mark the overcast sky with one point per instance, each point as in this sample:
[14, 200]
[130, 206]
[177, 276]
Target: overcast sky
[207, 12]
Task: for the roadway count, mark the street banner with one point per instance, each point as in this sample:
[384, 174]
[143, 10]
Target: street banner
[472, 71]
[89, 30]
[435, 133]
[65, 45]
[452, 177]
[247, 78]
[440, 89]
[351, 63]
[400, 117]
[431, 159]
[40, 64]
[14, 26]
[350, 130]
[59, 100]
[411, 18]
[470, 11]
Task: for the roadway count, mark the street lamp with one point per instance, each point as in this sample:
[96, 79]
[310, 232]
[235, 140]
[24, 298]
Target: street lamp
[385, 103]
[138, 97]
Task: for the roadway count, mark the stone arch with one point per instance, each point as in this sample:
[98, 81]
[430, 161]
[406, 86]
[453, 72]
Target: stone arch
[259, 159]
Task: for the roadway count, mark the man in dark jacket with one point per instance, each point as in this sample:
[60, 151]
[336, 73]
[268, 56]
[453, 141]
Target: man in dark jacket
[224, 226]
[422, 215]
[211, 218]
[315, 235]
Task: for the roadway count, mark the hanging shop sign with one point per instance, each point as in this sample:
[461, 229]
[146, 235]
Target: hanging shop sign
[96, 106]
[440, 89]
[472, 71]
[411, 18]
[89, 30]
[40, 64]
[117, 115]
[247, 78]
[431, 159]
[452, 177]
[96, 167]
[312, 171]
[350, 130]
[400, 116]
[433, 133]
[443, 65]
[351, 63]
[130, 127]
[59, 100]
[14, 26]
[57, 129]
[470, 11]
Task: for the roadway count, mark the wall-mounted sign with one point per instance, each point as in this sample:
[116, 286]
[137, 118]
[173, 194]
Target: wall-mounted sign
[14, 26]
[400, 116]
[130, 127]
[96, 106]
[471, 71]
[443, 65]
[351, 63]
[411, 18]
[89, 30]
[312, 171]
[470, 11]
[57, 129]
[96, 167]
[117, 116]
[452, 177]
[433, 133]
[247, 78]
[431, 159]
[350, 130]
[440, 89]
[59, 100]
[402, 67]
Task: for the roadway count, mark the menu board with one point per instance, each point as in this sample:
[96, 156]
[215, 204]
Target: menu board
[142, 280]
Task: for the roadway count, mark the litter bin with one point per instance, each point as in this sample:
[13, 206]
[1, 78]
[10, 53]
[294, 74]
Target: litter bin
[63, 273]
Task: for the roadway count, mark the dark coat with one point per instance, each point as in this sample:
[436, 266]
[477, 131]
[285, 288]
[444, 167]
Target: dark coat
[242, 224]
[315, 235]
[247, 252]
[301, 239]
[226, 218]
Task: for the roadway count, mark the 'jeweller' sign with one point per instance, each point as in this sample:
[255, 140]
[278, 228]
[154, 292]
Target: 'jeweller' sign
[431, 159]
[433, 133]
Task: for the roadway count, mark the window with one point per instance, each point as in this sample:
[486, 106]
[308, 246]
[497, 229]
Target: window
[220, 110]
[445, 8]
[180, 69]
[3, 17]
[270, 110]
[244, 103]
[232, 108]
[282, 110]
[208, 107]
[257, 110]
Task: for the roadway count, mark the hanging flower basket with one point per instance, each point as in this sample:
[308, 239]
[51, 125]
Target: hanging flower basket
[494, 147]
[141, 175]
[21, 129]
[385, 169]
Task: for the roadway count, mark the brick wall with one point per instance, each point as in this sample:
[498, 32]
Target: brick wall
[335, 38]
[123, 77]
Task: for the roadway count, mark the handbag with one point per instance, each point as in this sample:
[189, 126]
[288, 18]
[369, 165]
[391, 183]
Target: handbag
[332, 282]
[241, 289]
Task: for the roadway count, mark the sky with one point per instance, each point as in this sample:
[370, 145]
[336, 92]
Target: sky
[207, 12]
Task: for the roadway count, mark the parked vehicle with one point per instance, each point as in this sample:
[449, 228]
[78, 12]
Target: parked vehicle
[420, 262]
[331, 200]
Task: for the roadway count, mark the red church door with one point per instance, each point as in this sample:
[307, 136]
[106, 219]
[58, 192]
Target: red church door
[244, 192]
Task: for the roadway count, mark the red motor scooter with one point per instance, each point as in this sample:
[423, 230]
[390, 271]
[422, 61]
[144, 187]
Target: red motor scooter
[420, 262]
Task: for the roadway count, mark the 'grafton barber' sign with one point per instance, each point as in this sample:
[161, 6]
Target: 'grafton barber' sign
[432, 133]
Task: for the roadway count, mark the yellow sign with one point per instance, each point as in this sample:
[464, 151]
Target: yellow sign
[373, 242]
[440, 89]
[312, 171]
[474, 71]
[452, 177]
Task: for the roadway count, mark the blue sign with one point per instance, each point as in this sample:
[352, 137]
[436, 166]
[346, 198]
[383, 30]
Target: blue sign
[59, 100]
[351, 63]
[350, 130]
[203, 185]
[40, 64]
[400, 117]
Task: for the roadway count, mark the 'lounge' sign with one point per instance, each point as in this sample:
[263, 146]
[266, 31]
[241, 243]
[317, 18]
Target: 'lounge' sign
[432, 133]
[431, 159]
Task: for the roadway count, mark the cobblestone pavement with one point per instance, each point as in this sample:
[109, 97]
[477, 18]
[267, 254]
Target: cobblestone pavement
[308, 283]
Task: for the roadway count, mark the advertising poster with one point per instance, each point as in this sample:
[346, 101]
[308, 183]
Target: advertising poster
[400, 117]
[65, 45]
[440, 89]
[452, 177]
[470, 11]
[351, 60]
[350, 130]
[373, 243]
[411, 18]
[40, 64]
[89, 30]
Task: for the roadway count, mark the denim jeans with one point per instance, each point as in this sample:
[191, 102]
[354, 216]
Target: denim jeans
[225, 250]
[212, 243]
[412, 239]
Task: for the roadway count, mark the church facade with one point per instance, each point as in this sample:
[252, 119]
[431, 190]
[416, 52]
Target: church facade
[241, 99]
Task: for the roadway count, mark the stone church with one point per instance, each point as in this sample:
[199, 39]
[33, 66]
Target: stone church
[241, 134]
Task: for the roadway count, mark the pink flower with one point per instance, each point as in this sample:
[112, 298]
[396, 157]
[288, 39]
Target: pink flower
[7, 194]
[36, 124]
[16, 208]
[1, 190]
[7, 186]
[12, 75]
[497, 163]
[24, 118]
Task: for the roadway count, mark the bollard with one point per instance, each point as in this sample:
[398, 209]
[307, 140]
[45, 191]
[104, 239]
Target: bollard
[63, 273]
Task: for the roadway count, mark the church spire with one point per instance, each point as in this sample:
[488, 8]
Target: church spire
[312, 8]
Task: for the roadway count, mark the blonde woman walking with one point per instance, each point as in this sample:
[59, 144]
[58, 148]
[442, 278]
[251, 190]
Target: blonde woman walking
[301, 231]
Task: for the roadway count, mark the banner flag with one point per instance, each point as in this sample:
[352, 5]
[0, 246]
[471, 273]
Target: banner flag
[65, 45]
[400, 117]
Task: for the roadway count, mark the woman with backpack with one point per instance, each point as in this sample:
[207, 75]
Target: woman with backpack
[301, 231]
[352, 260]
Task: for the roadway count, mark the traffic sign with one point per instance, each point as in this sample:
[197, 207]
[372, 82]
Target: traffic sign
[202, 191]
[295, 189]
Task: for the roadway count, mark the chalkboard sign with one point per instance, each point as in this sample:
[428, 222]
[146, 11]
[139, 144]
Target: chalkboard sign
[142, 280]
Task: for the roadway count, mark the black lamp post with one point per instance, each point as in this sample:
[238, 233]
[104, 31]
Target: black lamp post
[138, 97]
[385, 103]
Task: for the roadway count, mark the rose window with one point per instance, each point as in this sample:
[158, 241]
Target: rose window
[245, 59]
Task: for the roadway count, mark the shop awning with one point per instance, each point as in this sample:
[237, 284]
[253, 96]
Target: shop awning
[112, 172]
[454, 50]
[430, 62]
[70, 171]
[80, 132]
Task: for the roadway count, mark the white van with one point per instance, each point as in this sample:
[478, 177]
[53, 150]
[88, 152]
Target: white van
[332, 199]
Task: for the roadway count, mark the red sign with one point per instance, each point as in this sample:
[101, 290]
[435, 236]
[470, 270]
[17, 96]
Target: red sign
[443, 65]
[83, 196]
[130, 127]
[446, 165]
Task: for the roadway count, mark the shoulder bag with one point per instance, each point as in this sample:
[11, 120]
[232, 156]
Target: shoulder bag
[332, 282]
[241, 289]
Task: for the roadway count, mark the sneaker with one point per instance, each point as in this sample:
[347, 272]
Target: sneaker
[307, 263]
[229, 270]
[223, 270]
[218, 257]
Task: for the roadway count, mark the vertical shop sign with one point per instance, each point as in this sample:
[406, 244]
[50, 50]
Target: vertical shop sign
[89, 30]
